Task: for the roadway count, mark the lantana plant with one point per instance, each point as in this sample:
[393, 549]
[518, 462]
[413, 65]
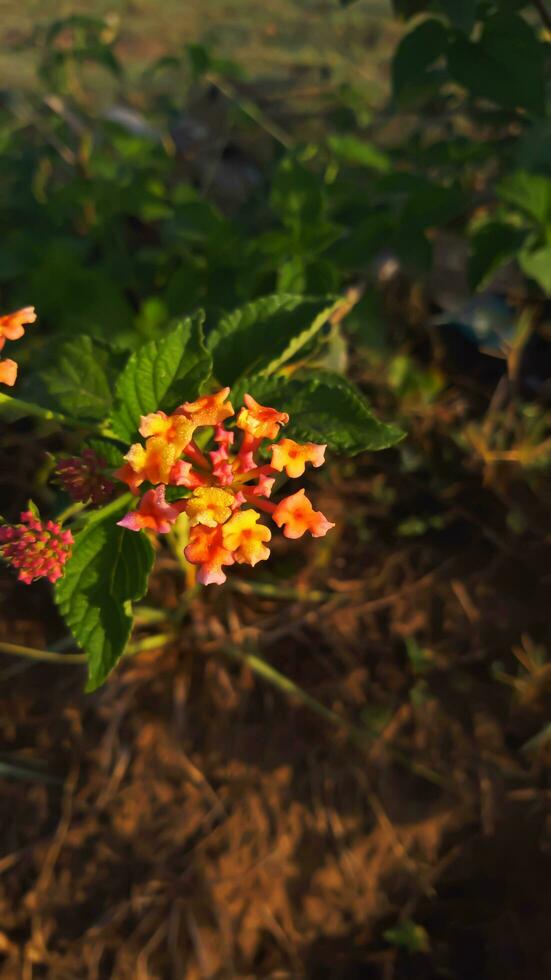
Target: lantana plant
[164, 455]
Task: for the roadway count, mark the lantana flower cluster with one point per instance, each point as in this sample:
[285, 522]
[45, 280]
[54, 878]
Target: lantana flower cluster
[12, 327]
[229, 485]
[85, 478]
[37, 549]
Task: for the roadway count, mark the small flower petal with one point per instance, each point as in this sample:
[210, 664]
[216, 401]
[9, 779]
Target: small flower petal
[296, 515]
[209, 506]
[153, 512]
[12, 324]
[210, 409]
[245, 538]
[8, 372]
[292, 456]
[260, 421]
[206, 548]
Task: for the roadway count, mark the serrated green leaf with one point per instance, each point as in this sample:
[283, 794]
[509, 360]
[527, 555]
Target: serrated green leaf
[111, 453]
[324, 408]
[79, 380]
[161, 375]
[108, 569]
[265, 334]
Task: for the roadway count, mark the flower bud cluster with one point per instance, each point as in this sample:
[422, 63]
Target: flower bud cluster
[84, 479]
[37, 549]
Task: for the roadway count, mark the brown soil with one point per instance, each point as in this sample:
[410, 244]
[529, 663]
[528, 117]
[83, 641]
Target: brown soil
[190, 821]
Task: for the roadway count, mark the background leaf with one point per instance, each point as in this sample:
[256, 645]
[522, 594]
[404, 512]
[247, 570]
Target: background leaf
[79, 381]
[505, 66]
[490, 247]
[161, 375]
[528, 192]
[537, 265]
[416, 52]
[264, 334]
[109, 568]
[326, 409]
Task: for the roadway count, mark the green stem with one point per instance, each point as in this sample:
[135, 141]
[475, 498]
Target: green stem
[353, 734]
[285, 684]
[48, 656]
[70, 511]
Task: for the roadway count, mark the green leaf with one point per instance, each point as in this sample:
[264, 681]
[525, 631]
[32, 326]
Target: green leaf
[79, 380]
[161, 375]
[297, 194]
[505, 66]
[409, 936]
[415, 54]
[537, 265]
[461, 14]
[491, 246]
[264, 334]
[528, 192]
[358, 152]
[109, 567]
[325, 408]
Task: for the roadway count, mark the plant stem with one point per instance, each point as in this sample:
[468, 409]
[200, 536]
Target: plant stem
[353, 734]
[70, 511]
[48, 656]
[285, 684]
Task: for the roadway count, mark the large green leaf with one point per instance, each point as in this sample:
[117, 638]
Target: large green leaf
[79, 382]
[109, 568]
[161, 375]
[415, 54]
[264, 334]
[505, 66]
[537, 265]
[530, 193]
[324, 408]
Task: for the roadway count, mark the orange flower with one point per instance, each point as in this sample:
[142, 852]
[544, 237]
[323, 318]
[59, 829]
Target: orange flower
[12, 328]
[12, 324]
[175, 429]
[8, 372]
[154, 461]
[206, 548]
[292, 456]
[245, 538]
[153, 512]
[127, 475]
[209, 506]
[298, 515]
[210, 409]
[260, 421]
